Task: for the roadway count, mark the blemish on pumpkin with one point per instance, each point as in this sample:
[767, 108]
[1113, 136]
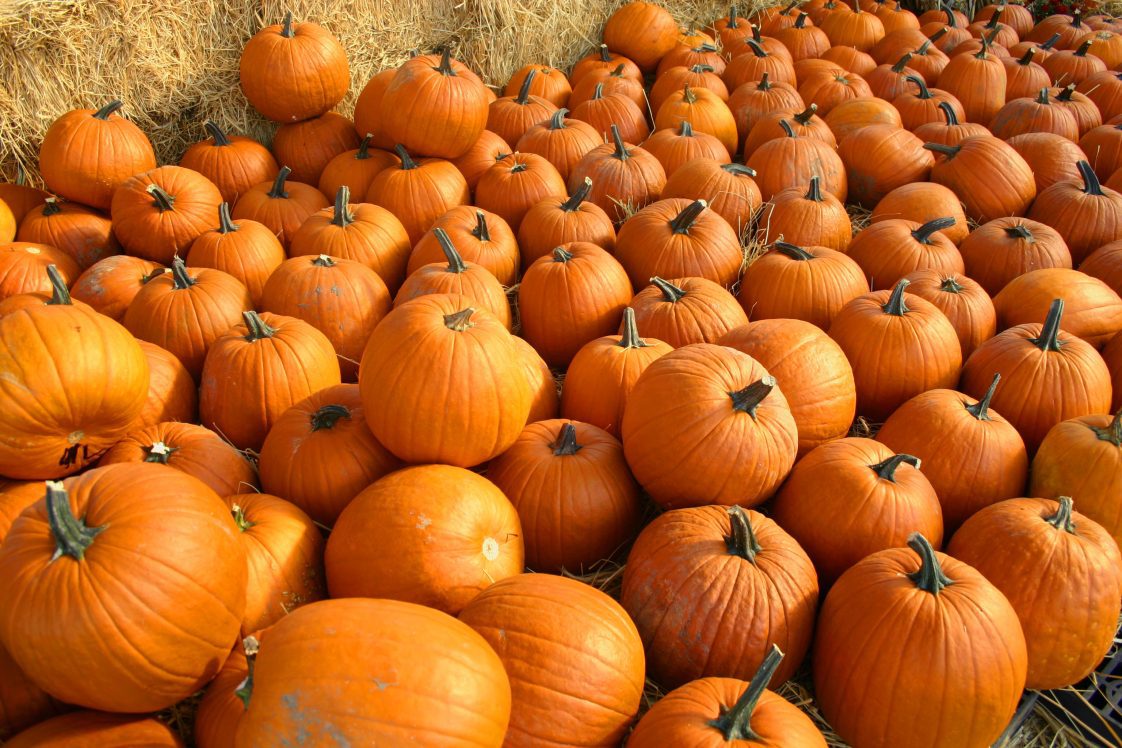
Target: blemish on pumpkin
[423, 522]
[490, 549]
[382, 685]
[74, 437]
[34, 251]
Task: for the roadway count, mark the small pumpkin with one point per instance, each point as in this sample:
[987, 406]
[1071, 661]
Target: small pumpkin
[965, 303]
[110, 285]
[561, 140]
[682, 311]
[98, 728]
[245, 249]
[555, 221]
[512, 115]
[23, 268]
[78, 231]
[705, 111]
[752, 100]
[1087, 215]
[880, 158]
[355, 169]
[549, 83]
[157, 214]
[603, 110]
[806, 217]
[602, 59]
[642, 31]
[792, 162]
[480, 236]
[280, 205]
[624, 177]
[515, 184]
[418, 192]
[233, 163]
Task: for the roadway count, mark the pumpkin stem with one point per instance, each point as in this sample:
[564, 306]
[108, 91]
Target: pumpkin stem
[524, 90]
[887, 470]
[688, 95]
[72, 537]
[598, 93]
[686, 219]
[455, 261]
[1049, 339]
[630, 337]
[216, 133]
[736, 723]
[621, 148]
[732, 24]
[1113, 432]
[793, 251]
[566, 443]
[159, 453]
[741, 540]
[407, 161]
[578, 197]
[787, 10]
[980, 409]
[52, 206]
[557, 119]
[160, 198]
[924, 93]
[929, 577]
[992, 24]
[1067, 94]
[1091, 185]
[343, 216]
[238, 514]
[156, 273]
[790, 131]
[902, 63]
[179, 275]
[278, 190]
[950, 151]
[949, 113]
[804, 117]
[459, 321]
[327, 416]
[815, 191]
[60, 294]
[764, 84]
[1082, 51]
[110, 108]
[950, 284]
[1062, 520]
[560, 254]
[739, 170]
[896, 305]
[617, 72]
[800, 22]
[924, 232]
[925, 48]
[701, 68]
[1077, 18]
[1026, 58]
[756, 47]
[605, 56]
[749, 398]
[286, 28]
[245, 689]
[364, 147]
[1042, 97]
[481, 232]
[324, 261]
[1020, 231]
[951, 20]
[756, 35]
[670, 292]
[685, 129]
[226, 224]
[1051, 42]
[445, 66]
[258, 329]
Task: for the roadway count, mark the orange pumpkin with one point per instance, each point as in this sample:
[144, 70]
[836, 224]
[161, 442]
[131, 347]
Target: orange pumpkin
[1092, 310]
[556, 221]
[110, 285]
[624, 177]
[233, 163]
[965, 303]
[806, 217]
[888, 250]
[355, 168]
[418, 192]
[1005, 248]
[157, 214]
[280, 205]
[512, 115]
[687, 310]
[246, 249]
[480, 236]
[80, 232]
[97, 728]
[923, 202]
[988, 175]
[481, 156]
[172, 394]
[560, 140]
[515, 184]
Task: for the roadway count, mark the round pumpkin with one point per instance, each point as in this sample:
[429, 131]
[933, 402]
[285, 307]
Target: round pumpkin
[511, 116]
[1092, 310]
[1086, 214]
[560, 140]
[988, 175]
[280, 205]
[922, 202]
[355, 168]
[965, 303]
[480, 236]
[481, 156]
[687, 310]
[806, 217]
[728, 189]
[515, 184]
[84, 234]
[110, 284]
[307, 147]
[245, 249]
[172, 393]
[157, 214]
[23, 268]
[642, 31]
[418, 192]
[1005, 248]
[558, 220]
[792, 282]
[100, 729]
[234, 163]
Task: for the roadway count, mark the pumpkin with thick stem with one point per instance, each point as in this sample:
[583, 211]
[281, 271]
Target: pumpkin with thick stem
[926, 105]
[234, 163]
[1103, 146]
[1050, 376]
[803, 39]
[751, 101]
[949, 131]
[418, 192]
[83, 234]
[378, 657]
[157, 214]
[110, 285]
[1074, 65]
[1092, 310]
[172, 393]
[853, 28]
[888, 250]
[992, 28]
[100, 729]
[692, 565]
[245, 249]
[573, 491]
[280, 205]
[355, 169]
[561, 140]
[806, 124]
[923, 202]
[642, 31]
[1087, 214]
[722, 407]
[1018, 17]
[705, 111]
[893, 602]
[549, 83]
[1005, 248]
[806, 216]
[793, 161]
[887, 81]
[145, 650]
[1087, 114]
[675, 148]
[73, 155]
[624, 177]
[676, 78]
[1034, 114]
[1024, 76]
[987, 174]
[23, 268]
[729, 189]
[515, 184]
[828, 88]
[806, 283]
[482, 155]
[965, 303]
[461, 531]
[682, 311]
[480, 236]
[602, 110]
[512, 115]
[320, 454]
[556, 221]
[978, 81]
[603, 59]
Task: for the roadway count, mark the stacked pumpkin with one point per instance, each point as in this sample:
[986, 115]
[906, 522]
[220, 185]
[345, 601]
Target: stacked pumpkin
[317, 338]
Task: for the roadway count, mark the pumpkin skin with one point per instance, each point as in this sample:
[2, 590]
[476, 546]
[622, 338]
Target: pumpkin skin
[284, 553]
[573, 492]
[922, 202]
[990, 178]
[728, 189]
[753, 100]
[560, 140]
[457, 529]
[806, 124]
[418, 192]
[621, 174]
[512, 115]
[280, 205]
[793, 161]
[233, 163]
[688, 565]
[804, 283]
[545, 402]
[191, 449]
[480, 402]
[189, 614]
[809, 363]
[481, 237]
[110, 284]
[368, 110]
[157, 214]
[806, 217]
[1069, 615]
[1104, 264]
[23, 268]
[257, 370]
[320, 453]
[950, 131]
[220, 709]
[687, 310]
[75, 159]
[1087, 215]
[73, 382]
[97, 728]
[534, 619]
[880, 334]
[481, 156]
[1051, 157]
[515, 184]
[1092, 310]
[80, 232]
[644, 32]
[603, 59]
[355, 168]
[757, 447]
[186, 310]
[674, 79]
[307, 147]
[675, 148]
[172, 394]
[1050, 376]
[558, 220]
[15, 496]
[880, 158]
[417, 649]
[602, 110]
[1034, 114]
[549, 83]
[245, 249]
[850, 117]
[291, 72]
[1005, 248]
[19, 197]
[1103, 146]
[22, 703]
[966, 304]
[969, 617]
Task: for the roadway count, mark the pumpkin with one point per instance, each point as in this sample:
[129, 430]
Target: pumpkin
[806, 124]
[1018, 17]
[189, 613]
[320, 453]
[572, 488]
[480, 236]
[19, 197]
[555, 221]
[922, 202]
[1104, 264]
[792, 161]
[80, 232]
[157, 214]
[726, 410]
[677, 78]
[965, 303]
[853, 29]
[368, 110]
[728, 189]
[74, 155]
[988, 175]
[22, 703]
[1087, 114]
[233, 163]
[851, 117]
[827, 89]
[888, 250]
[1103, 146]
[512, 115]
[549, 83]
[1005, 248]
[355, 169]
[515, 184]
[642, 31]
[574, 295]
[978, 81]
[110, 285]
[809, 363]
[336, 650]
[1050, 376]
[949, 131]
[1104, 89]
[705, 111]
[457, 277]
[291, 72]
[1086, 215]
[687, 310]
[418, 192]
[1107, 46]
[23, 268]
[482, 156]
[98, 728]
[994, 30]
[603, 59]
[915, 348]
[887, 82]
[926, 105]
[624, 177]
[1034, 114]
[191, 449]
[807, 217]
[172, 394]
[221, 708]
[470, 411]
[280, 205]
[880, 158]
[544, 398]
[1024, 77]
[750, 101]
[247, 250]
[1092, 310]
[560, 140]
[803, 39]
[894, 602]
[574, 659]
[1069, 27]
[186, 310]
[307, 147]
[676, 148]
[1074, 65]
[851, 59]
[603, 110]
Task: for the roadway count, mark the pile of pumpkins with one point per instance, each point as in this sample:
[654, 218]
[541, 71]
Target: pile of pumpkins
[301, 454]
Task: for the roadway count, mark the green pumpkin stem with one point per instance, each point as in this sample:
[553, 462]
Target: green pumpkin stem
[160, 198]
[110, 108]
[757, 48]
[895, 305]
[278, 190]
[286, 28]
[1062, 520]
[180, 279]
[924, 232]
[739, 170]
[1113, 432]
[578, 197]
[814, 192]
[1020, 231]
[621, 148]
[733, 21]
[804, 117]
[902, 63]
[524, 90]
[72, 537]
[363, 152]
[736, 723]
[1042, 96]
[238, 514]
[924, 92]
[702, 68]
[245, 689]
[685, 129]
[741, 540]
[557, 119]
[670, 292]
[952, 20]
[929, 577]
[566, 443]
[630, 337]
[216, 133]
[981, 409]
[481, 232]
[617, 72]
[1049, 338]
[764, 84]
[226, 224]
[407, 161]
[950, 151]
[159, 453]
[605, 55]
[560, 254]
[1091, 185]
[1026, 58]
[455, 261]
[257, 328]
[949, 113]
[950, 284]
[994, 20]
[459, 321]
[324, 261]
[598, 92]
[445, 65]
[748, 399]
[60, 294]
[342, 216]
[886, 470]
[793, 251]
[684, 221]
[327, 416]
[790, 131]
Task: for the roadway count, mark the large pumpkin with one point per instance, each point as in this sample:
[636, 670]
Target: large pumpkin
[157, 214]
[624, 177]
[987, 174]
[1092, 310]
[1002, 249]
[643, 32]
[418, 192]
[729, 189]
